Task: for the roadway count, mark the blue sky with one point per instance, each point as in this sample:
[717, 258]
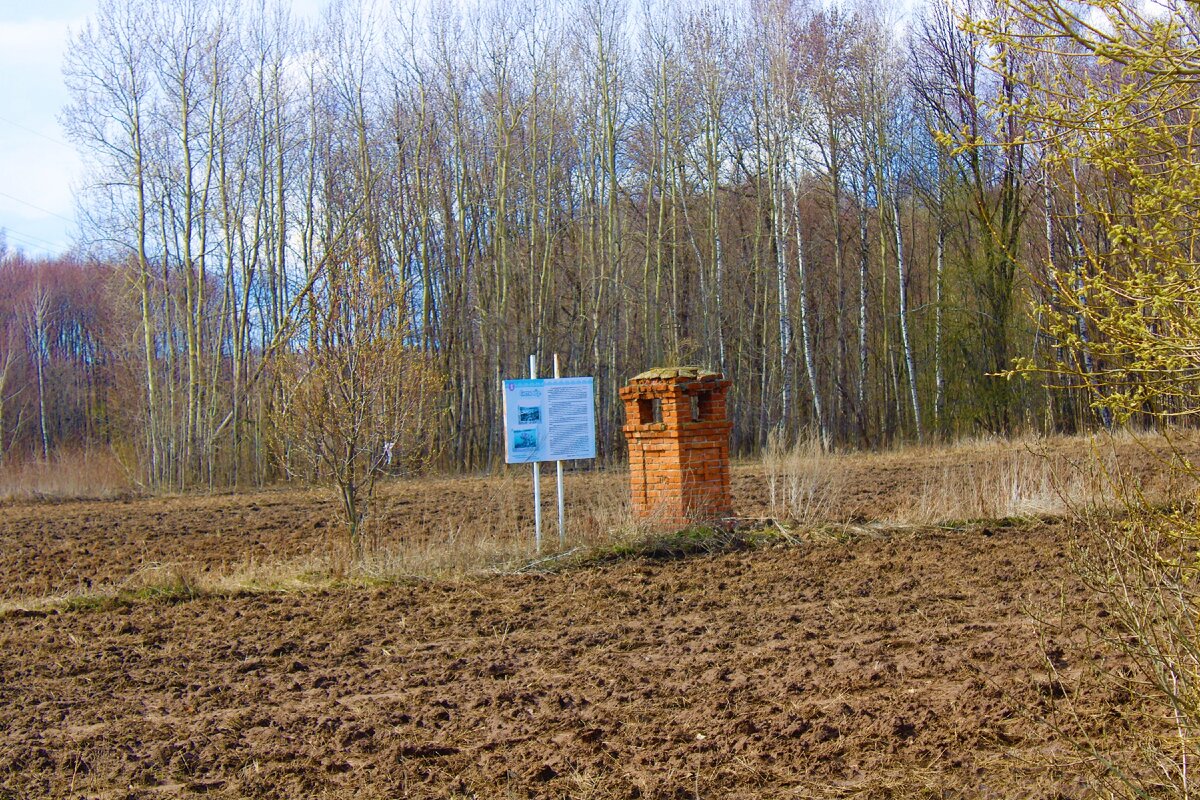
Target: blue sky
[39, 169]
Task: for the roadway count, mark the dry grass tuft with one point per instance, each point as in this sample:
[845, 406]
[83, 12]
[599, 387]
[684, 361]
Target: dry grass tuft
[802, 479]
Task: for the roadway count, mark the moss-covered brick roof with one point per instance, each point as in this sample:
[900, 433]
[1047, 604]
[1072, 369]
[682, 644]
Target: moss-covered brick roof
[668, 373]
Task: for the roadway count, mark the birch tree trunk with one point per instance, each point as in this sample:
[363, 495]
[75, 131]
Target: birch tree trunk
[902, 295]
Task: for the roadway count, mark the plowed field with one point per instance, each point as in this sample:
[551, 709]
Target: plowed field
[895, 662]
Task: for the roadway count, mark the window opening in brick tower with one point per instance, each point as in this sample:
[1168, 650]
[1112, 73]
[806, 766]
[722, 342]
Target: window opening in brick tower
[649, 411]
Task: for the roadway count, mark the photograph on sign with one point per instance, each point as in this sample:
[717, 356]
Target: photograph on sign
[550, 419]
[525, 439]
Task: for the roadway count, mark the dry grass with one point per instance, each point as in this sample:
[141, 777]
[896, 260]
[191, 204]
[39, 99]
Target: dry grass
[492, 530]
[1003, 481]
[802, 480]
[1077, 476]
[495, 530]
[485, 524]
[92, 474]
[974, 479]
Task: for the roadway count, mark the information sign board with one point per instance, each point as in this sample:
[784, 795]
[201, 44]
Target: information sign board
[550, 419]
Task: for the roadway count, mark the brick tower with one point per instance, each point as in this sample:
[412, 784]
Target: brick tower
[678, 437]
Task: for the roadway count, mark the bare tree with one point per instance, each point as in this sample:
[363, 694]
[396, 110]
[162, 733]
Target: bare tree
[618, 182]
[354, 393]
[107, 74]
[36, 331]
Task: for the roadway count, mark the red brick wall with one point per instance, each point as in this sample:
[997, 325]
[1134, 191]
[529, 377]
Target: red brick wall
[679, 467]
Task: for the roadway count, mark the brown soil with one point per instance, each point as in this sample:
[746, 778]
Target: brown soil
[894, 664]
[888, 665]
[53, 548]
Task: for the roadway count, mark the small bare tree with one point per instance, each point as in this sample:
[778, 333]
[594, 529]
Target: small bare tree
[356, 397]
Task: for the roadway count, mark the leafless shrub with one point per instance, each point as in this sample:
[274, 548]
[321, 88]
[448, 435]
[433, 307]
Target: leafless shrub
[1142, 566]
[354, 396]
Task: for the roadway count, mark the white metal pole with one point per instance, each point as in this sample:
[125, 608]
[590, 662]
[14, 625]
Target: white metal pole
[537, 483]
[562, 525]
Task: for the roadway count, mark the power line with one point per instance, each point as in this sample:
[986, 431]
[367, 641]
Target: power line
[29, 240]
[35, 132]
[33, 243]
[39, 208]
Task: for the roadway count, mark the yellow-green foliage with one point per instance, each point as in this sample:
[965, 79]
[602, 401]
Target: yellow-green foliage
[1110, 94]
[1111, 99]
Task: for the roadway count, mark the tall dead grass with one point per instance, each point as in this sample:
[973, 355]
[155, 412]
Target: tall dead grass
[991, 479]
[802, 479]
[80, 474]
[975, 479]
